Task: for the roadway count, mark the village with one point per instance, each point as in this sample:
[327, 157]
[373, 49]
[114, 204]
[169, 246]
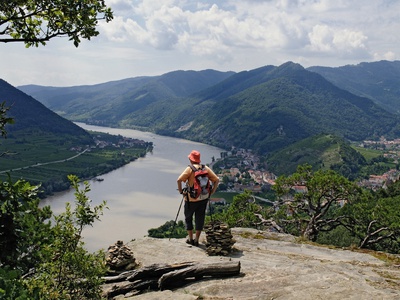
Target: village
[241, 169]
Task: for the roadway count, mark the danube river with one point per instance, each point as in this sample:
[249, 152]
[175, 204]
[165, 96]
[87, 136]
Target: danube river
[140, 195]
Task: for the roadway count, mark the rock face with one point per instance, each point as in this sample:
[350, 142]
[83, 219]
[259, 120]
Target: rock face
[274, 266]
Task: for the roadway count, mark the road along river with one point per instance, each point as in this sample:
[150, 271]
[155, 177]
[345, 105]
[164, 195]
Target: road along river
[140, 195]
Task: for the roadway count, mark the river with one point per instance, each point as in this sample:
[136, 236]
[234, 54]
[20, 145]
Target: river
[140, 195]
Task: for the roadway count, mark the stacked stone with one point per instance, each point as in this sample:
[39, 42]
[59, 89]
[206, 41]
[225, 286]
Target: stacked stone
[120, 258]
[219, 239]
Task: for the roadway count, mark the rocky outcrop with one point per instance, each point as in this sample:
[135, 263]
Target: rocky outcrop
[273, 266]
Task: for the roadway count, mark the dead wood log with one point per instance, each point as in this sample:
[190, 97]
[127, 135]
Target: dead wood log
[157, 270]
[117, 278]
[135, 287]
[156, 277]
[199, 271]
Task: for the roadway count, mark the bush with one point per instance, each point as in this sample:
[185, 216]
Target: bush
[40, 261]
[168, 230]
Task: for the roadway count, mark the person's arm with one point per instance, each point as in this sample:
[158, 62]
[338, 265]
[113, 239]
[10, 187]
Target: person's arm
[215, 185]
[183, 178]
[180, 190]
[214, 179]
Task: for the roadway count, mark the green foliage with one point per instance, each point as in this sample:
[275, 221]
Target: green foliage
[169, 230]
[330, 209]
[63, 268]
[314, 207]
[11, 287]
[35, 22]
[68, 270]
[339, 237]
[23, 226]
[241, 212]
[375, 221]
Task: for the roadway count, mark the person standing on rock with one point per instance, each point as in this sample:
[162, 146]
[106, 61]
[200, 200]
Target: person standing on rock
[195, 206]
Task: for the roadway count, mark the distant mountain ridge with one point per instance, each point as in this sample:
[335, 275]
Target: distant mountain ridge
[32, 116]
[83, 103]
[265, 109]
[379, 81]
[286, 104]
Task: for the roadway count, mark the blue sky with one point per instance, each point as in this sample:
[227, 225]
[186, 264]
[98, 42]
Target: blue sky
[151, 37]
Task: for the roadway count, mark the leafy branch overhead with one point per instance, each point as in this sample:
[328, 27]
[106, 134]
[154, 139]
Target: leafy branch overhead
[35, 22]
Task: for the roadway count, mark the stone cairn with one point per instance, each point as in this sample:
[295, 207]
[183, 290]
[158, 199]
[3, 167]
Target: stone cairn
[120, 258]
[219, 239]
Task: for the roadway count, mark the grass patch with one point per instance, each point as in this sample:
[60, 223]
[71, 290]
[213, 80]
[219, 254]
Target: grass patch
[368, 154]
[250, 235]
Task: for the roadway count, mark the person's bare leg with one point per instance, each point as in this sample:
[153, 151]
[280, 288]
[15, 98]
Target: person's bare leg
[190, 235]
[196, 240]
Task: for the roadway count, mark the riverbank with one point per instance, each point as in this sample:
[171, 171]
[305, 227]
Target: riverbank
[107, 153]
[140, 195]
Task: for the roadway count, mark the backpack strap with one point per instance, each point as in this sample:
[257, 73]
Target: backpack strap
[194, 168]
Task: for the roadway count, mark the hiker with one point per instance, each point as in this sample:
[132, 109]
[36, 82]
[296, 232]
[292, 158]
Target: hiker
[195, 206]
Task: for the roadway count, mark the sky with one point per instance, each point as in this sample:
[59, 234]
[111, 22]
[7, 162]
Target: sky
[153, 37]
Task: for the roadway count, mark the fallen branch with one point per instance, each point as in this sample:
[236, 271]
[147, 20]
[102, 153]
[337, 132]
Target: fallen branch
[198, 271]
[156, 270]
[160, 277]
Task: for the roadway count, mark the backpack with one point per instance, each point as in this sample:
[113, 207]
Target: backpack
[201, 188]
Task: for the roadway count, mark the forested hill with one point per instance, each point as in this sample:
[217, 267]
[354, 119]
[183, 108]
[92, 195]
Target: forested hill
[264, 109]
[322, 151]
[116, 102]
[33, 118]
[379, 81]
[272, 107]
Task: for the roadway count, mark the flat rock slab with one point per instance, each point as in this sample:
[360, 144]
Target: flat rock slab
[274, 266]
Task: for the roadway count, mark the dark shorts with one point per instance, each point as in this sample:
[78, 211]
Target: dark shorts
[198, 209]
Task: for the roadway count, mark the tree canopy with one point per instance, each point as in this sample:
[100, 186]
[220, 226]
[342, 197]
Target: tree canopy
[321, 192]
[35, 22]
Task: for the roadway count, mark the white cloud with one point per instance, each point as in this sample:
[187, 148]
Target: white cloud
[386, 56]
[153, 37]
[341, 42]
[116, 30]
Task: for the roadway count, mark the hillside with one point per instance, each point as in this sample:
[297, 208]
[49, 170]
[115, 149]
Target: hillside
[265, 109]
[274, 266]
[43, 147]
[118, 103]
[379, 81]
[320, 151]
[282, 105]
[33, 118]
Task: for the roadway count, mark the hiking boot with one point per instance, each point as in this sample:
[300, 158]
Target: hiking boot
[190, 242]
[196, 243]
